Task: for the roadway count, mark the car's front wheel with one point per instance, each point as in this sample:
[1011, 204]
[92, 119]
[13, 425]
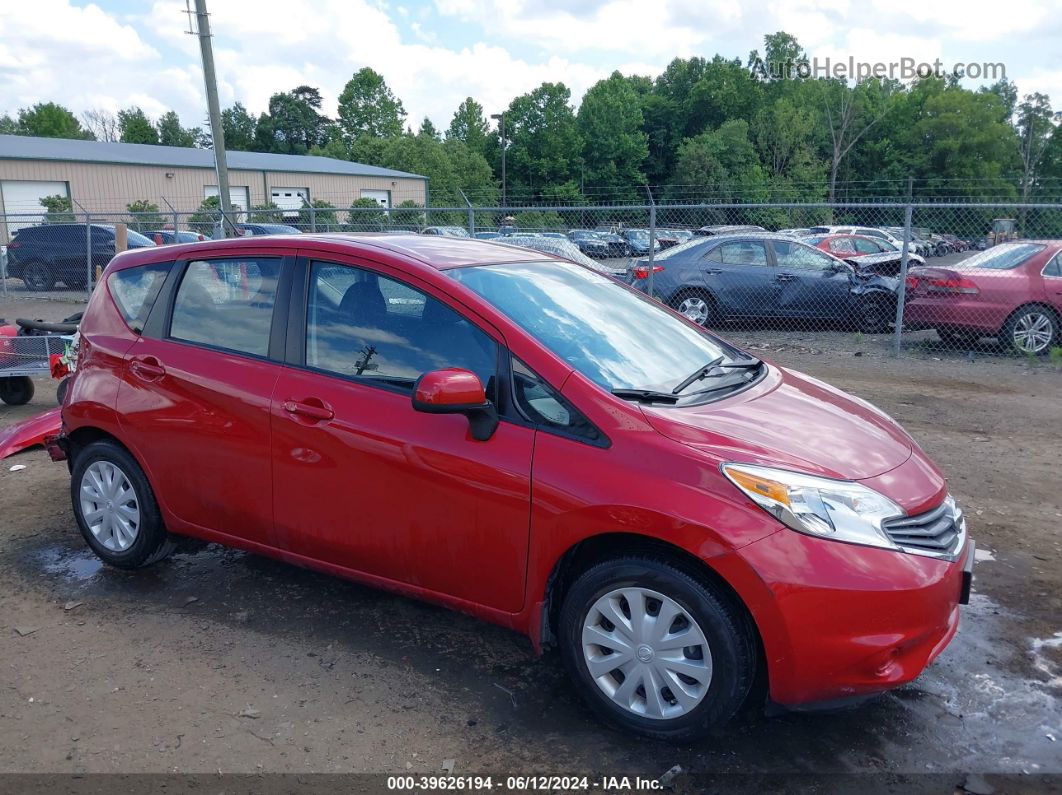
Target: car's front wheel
[874, 314]
[654, 650]
[116, 509]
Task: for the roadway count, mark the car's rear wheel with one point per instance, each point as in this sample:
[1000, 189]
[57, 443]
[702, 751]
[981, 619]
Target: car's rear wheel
[874, 314]
[1031, 330]
[654, 650]
[38, 277]
[16, 391]
[116, 509]
[696, 305]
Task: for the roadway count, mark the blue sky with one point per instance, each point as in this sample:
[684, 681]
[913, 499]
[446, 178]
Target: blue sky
[115, 53]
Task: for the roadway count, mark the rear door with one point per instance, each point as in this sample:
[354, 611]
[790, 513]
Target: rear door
[195, 391]
[365, 482]
[739, 276]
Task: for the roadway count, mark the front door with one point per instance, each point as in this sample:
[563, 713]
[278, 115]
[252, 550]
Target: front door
[812, 283]
[194, 398]
[741, 279]
[365, 482]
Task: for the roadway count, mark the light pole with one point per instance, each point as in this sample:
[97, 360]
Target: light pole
[500, 117]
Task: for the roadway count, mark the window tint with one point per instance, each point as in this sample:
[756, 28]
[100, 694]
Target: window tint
[864, 246]
[543, 405]
[842, 245]
[134, 291]
[797, 255]
[1002, 257]
[227, 303]
[1054, 267]
[366, 325]
[744, 253]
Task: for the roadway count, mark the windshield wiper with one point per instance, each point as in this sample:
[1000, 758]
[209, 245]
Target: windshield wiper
[706, 372]
[697, 375]
[645, 395]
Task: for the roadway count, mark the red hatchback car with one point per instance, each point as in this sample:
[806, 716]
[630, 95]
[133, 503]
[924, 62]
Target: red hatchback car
[1012, 292]
[526, 440]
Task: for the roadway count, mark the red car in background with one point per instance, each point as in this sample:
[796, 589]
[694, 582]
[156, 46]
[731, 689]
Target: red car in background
[1012, 291]
[855, 246]
[523, 439]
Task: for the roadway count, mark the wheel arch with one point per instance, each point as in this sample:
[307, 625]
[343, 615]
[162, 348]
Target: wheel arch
[589, 551]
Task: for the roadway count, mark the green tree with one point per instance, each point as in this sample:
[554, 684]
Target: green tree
[1035, 124]
[239, 128]
[322, 218]
[368, 107]
[267, 213]
[59, 209]
[726, 90]
[723, 162]
[136, 128]
[544, 143]
[428, 129]
[204, 219]
[470, 126]
[8, 126]
[264, 134]
[296, 120]
[614, 145]
[171, 133]
[366, 215]
[145, 216]
[49, 120]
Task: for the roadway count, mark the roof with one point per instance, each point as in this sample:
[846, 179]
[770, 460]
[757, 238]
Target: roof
[24, 147]
[431, 250]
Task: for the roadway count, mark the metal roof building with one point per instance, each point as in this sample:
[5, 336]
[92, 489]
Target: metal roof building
[106, 177]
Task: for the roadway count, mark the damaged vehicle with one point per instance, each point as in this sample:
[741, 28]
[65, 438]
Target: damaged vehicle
[869, 254]
[767, 276]
[526, 440]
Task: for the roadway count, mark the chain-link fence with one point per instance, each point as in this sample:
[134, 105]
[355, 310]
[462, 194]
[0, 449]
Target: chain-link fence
[941, 276]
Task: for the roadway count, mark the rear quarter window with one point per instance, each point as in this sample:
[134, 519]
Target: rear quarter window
[134, 291]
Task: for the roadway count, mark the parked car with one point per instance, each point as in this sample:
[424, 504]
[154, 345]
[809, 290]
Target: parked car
[956, 243]
[554, 235]
[256, 229]
[800, 232]
[712, 231]
[637, 241]
[166, 237]
[1012, 292]
[591, 243]
[47, 254]
[527, 441]
[446, 231]
[666, 238]
[560, 247]
[762, 275]
[487, 235]
[868, 253]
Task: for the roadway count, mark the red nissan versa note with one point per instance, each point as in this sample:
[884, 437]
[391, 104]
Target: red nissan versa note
[523, 439]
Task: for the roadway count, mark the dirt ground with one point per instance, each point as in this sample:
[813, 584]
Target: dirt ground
[225, 661]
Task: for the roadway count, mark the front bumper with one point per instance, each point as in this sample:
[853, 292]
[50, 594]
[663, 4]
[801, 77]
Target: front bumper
[844, 620]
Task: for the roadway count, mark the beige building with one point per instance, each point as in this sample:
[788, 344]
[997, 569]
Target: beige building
[104, 178]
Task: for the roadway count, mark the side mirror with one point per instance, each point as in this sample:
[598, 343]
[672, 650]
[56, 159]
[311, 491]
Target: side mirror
[456, 391]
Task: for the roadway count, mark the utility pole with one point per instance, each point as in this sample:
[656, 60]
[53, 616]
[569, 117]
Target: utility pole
[500, 117]
[217, 132]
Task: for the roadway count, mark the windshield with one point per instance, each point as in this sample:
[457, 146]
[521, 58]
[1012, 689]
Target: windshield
[1001, 257]
[137, 240]
[637, 234]
[612, 335]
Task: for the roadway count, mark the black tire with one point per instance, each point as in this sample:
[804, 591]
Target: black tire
[874, 314]
[726, 628]
[16, 391]
[61, 389]
[152, 543]
[683, 299]
[1008, 334]
[38, 277]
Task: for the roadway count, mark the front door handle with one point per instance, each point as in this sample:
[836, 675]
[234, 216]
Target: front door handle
[315, 410]
[784, 277]
[147, 369]
[712, 271]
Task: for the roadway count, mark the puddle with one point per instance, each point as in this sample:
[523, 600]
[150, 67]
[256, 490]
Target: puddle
[77, 565]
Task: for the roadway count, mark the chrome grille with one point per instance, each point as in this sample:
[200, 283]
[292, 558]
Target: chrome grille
[938, 532]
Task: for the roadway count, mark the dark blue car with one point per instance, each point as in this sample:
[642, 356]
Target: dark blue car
[765, 276]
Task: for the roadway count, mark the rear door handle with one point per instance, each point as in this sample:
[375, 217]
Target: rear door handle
[318, 410]
[784, 277]
[147, 369]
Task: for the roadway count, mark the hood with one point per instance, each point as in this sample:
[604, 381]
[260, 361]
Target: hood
[792, 421]
[29, 432]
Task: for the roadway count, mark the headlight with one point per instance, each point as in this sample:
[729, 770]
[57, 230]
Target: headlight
[839, 510]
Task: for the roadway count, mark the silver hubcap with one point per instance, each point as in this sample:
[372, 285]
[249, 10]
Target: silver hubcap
[696, 309]
[1033, 332]
[109, 506]
[646, 653]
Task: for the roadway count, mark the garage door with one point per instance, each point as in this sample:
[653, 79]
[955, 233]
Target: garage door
[22, 199]
[382, 197]
[290, 199]
[239, 197]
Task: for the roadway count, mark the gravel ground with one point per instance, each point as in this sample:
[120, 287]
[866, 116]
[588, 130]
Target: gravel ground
[228, 661]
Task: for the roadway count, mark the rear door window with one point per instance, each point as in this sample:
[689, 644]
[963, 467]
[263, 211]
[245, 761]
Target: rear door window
[227, 303]
[743, 253]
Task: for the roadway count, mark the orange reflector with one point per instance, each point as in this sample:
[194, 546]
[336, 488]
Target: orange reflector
[759, 485]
